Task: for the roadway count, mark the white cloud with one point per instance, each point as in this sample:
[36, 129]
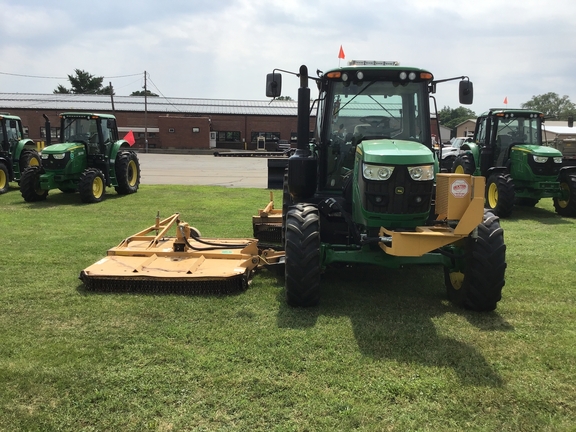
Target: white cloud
[223, 49]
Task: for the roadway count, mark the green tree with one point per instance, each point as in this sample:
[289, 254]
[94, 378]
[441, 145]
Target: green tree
[284, 98]
[452, 117]
[143, 93]
[84, 83]
[552, 105]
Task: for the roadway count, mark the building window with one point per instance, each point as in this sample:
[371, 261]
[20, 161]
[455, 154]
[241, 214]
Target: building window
[229, 136]
[171, 130]
[54, 132]
[269, 136]
[195, 130]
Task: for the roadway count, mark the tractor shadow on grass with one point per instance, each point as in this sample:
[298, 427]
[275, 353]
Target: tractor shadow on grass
[392, 313]
[57, 198]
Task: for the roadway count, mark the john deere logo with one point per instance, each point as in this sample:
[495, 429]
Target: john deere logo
[399, 190]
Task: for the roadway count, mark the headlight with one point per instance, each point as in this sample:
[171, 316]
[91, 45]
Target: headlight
[43, 156]
[422, 173]
[540, 159]
[558, 159]
[59, 156]
[377, 172]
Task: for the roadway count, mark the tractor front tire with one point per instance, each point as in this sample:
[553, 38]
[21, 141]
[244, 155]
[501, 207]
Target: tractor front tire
[127, 169]
[92, 186]
[302, 249]
[567, 207]
[464, 164]
[476, 281]
[4, 178]
[30, 185]
[29, 158]
[500, 195]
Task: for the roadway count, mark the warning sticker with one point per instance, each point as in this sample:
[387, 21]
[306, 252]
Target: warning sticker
[459, 188]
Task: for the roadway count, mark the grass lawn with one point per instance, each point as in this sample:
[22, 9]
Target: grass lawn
[383, 351]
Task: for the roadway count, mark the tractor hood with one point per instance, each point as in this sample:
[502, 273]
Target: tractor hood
[61, 148]
[395, 152]
[538, 150]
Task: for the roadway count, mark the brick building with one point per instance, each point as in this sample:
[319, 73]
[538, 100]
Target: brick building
[169, 124]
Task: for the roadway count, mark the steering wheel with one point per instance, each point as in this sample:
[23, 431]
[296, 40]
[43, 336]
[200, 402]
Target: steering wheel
[373, 121]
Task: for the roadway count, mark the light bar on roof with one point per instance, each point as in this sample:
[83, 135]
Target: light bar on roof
[373, 63]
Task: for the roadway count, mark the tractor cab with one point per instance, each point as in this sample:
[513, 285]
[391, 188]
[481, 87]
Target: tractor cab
[505, 135]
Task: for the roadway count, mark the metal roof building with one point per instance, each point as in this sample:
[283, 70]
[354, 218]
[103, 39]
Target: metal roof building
[168, 123]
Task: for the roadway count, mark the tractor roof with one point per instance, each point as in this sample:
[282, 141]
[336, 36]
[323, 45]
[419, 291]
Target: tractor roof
[517, 111]
[86, 115]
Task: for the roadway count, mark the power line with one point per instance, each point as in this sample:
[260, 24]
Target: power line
[65, 78]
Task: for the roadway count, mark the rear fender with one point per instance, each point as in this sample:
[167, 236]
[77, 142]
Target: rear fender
[20, 146]
[473, 149]
[568, 170]
[117, 147]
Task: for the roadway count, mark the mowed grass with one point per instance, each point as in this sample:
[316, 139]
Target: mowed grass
[383, 351]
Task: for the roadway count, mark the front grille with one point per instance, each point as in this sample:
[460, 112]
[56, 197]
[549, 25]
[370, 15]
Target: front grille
[56, 164]
[549, 168]
[397, 195]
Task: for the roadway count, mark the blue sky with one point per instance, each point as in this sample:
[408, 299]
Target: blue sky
[223, 49]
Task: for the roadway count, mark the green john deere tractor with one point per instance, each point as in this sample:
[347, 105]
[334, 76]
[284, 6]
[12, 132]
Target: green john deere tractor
[16, 152]
[90, 158]
[367, 188]
[507, 149]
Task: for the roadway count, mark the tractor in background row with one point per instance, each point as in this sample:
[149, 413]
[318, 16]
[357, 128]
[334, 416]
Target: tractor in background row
[16, 152]
[90, 158]
[368, 189]
[507, 149]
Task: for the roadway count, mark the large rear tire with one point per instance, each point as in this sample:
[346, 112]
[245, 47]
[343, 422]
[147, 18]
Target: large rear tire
[30, 185]
[500, 195]
[475, 280]
[567, 207]
[92, 186]
[29, 158]
[127, 169]
[4, 178]
[464, 164]
[302, 248]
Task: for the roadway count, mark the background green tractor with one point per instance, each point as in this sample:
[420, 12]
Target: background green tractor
[16, 152]
[90, 158]
[507, 149]
[364, 190]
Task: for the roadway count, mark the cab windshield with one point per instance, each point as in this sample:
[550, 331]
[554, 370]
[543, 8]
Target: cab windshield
[378, 110]
[80, 130]
[518, 130]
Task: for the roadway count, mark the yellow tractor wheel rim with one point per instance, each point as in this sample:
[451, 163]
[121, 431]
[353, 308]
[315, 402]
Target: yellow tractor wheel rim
[459, 170]
[456, 279]
[492, 195]
[132, 173]
[98, 187]
[3, 180]
[34, 162]
[564, 188]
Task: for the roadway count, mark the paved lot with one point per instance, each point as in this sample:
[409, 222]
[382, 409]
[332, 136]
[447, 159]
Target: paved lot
[250, 172]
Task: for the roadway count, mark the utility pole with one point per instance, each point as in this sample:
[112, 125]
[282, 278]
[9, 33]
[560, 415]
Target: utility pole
[145, 114]
[112, 98]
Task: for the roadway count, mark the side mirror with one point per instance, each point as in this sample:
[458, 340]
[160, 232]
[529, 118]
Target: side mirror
[111, 124]
[273, 85]
[570, 121]
[466, 91]
[13, 124]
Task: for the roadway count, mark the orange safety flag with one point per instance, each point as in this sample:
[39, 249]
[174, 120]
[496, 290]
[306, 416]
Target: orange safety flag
[506, 100]
[341, 53]
[130, 138]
